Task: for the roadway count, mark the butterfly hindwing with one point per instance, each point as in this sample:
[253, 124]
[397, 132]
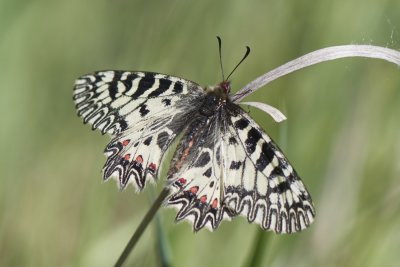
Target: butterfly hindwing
[138, 153]
[270, 192]
[195, 175]
[143, 111]
[238, 170]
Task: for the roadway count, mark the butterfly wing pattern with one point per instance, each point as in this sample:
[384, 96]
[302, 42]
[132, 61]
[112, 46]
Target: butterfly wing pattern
[265, 188]
[142, 111]
[234, 168]
[195, 175]
[224, 165]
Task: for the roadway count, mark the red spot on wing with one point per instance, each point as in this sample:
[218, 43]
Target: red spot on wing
[214, 204]
[139, 159]
[127, 156]
[194, 189]
[182, 180]
[125, 142]
[153, 167]
[203, 198]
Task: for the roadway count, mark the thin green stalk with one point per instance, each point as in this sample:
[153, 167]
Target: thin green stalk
[255, 258]
[142, 227]
[162, 243]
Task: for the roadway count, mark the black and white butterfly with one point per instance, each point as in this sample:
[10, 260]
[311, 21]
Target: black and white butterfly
[224, 165]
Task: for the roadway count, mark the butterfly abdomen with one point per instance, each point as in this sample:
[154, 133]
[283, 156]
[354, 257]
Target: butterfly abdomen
[191, 139]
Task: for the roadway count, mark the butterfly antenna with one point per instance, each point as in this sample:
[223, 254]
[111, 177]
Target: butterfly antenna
[220, 57]
[244, 57]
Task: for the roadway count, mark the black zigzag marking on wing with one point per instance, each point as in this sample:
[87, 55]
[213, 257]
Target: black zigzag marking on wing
[144, 111]
[198, 191]
[107, 98]
[192, 176]
[137, 155]
[285, 205]
[124, 168]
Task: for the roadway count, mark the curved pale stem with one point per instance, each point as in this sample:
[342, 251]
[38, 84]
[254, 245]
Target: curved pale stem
[318, 56]
[275, 113]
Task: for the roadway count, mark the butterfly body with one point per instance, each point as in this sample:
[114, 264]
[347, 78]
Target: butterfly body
[224, 164]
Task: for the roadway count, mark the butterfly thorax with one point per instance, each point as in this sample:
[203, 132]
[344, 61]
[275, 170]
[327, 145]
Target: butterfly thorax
[216, 97]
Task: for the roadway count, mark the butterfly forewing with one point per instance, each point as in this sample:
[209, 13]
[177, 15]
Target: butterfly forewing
[112, 100]
[143, 111]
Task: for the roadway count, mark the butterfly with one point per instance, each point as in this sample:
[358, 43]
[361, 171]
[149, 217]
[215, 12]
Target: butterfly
[224, 164]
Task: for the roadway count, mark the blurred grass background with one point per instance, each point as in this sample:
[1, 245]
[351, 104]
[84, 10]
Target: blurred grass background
[342, 132]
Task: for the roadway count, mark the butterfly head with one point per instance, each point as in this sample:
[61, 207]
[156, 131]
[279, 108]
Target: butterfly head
[220, 91]
[225, 86]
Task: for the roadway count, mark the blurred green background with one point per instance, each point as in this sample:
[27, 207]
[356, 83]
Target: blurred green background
[342, 132]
